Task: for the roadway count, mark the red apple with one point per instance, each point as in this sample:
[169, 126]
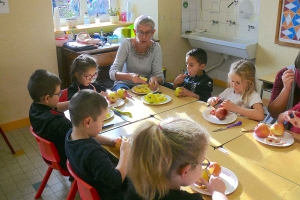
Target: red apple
[221, 113]
[277, 129]
[214, 169]
[262, 130]
[112, 97]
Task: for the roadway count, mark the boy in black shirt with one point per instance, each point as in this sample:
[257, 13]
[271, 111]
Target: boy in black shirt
[194, 82]
[87, 157]
[46, 114]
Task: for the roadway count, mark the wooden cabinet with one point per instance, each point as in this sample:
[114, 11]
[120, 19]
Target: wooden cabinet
[105, 58]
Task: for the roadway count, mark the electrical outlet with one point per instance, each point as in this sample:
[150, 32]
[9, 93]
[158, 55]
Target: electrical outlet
[4, 6]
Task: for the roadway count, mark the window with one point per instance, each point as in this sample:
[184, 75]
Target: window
[77, 8]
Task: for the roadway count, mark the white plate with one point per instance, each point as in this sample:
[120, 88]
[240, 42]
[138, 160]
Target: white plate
[155, 104]
[111, 114]
[231, 117]
[118, 103]
[229, 178]
[152, 91]
[286, 137]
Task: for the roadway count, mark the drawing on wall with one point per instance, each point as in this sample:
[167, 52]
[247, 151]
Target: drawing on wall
[288, 23]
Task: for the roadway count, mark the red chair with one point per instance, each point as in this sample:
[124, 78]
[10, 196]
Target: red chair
[7, 142]
[64, 95]
[52, 159]
[86, 191]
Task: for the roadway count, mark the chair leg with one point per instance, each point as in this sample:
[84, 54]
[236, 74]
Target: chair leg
[7, 142]
[73, 191]
[44, 182]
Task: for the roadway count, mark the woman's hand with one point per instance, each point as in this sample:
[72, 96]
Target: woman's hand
[153, 83]
[213, 101]
[136, 78]
[288, 78]
[179, 79]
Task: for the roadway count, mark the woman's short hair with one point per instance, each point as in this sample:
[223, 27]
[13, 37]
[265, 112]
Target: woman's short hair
[144, 20]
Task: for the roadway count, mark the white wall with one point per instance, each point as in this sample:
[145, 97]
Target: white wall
[199, 15]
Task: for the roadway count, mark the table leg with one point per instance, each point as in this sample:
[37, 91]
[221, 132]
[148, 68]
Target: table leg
[7, 142]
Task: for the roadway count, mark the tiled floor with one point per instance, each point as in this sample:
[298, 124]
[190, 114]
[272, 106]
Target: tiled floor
[21, 175]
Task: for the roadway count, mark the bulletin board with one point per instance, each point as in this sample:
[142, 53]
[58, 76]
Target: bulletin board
[288, 23]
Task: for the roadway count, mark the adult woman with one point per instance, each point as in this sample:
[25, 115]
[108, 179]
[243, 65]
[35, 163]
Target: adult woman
[139, 56]
[282, 87]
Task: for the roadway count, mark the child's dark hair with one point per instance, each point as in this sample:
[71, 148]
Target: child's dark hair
[42, 83]
[199, 54]
[81, 64]
[86, 103]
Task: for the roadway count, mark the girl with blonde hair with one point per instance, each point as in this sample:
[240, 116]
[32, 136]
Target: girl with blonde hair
[241, 96]
[167, 156]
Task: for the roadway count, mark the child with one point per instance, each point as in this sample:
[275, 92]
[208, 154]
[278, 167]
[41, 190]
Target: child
[241, 97]
[195, 82]
[46, 114]
[87, 157]
[167, 156]
[84, 73]
[294, 120]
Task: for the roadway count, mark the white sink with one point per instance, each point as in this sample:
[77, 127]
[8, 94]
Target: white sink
[234, 46]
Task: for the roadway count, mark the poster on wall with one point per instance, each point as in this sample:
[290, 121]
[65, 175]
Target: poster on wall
[288, 23]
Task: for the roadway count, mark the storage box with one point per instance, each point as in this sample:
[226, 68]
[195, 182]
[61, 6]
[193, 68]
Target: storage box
[59, 41]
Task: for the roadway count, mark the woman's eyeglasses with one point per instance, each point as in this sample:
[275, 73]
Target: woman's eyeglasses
[89, 77]
[141, 33]
[204, 164]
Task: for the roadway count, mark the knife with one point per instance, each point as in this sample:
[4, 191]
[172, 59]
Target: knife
[120, 115]
[112, 125]
[222, 149]
[129, 96]
[231, 125]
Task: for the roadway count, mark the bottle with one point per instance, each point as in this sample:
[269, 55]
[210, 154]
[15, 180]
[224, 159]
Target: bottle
[86, 19]
[101, 33]
[56, 19]
[97, 19]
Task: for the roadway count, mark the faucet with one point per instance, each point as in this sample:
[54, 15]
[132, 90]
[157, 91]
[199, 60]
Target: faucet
[214, 22]
[235, 2]
[231, 22]
[250, 27]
